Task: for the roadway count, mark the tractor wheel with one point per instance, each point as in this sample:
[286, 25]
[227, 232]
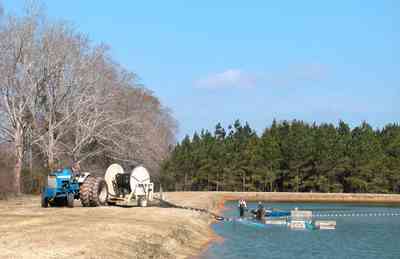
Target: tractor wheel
[45, 202]
[70, 200]
[94, 192]
[84, 191]
[98, 192]
[58, 202]
[54, 203]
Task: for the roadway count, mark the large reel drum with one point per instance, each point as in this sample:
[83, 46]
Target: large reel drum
[139, 175]
[141, 186]
[110, 176]
[139, 178]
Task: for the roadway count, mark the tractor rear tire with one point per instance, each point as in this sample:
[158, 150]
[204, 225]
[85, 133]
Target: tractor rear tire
[99, 192]
[94, 192]
[70, 200]
[84, 191]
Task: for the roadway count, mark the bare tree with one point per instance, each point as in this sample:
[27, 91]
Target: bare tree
[92, 115]
[64, 60]
[19, 87]
[147, 132]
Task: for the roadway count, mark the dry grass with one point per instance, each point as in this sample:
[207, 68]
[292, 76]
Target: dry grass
[28, 231]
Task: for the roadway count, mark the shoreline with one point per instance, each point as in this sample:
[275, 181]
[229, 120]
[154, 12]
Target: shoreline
[216, 202]
[311, 197]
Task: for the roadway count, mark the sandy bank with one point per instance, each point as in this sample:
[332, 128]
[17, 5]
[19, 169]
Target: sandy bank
[29, 231]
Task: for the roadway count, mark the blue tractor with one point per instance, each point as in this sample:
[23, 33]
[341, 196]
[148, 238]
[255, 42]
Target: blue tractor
[64, 186]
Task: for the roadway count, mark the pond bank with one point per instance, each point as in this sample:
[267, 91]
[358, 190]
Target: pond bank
[29, 231]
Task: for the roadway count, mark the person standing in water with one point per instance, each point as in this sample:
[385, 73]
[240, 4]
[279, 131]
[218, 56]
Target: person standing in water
[242, 207]
[260, 213]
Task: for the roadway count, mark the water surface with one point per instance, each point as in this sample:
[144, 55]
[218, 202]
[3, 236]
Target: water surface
[364, 237]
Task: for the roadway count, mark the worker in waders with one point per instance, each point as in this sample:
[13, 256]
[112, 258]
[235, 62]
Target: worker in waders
[260, 213]
[242, 207]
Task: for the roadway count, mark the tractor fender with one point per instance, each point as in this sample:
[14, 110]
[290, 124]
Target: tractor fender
[83, 177]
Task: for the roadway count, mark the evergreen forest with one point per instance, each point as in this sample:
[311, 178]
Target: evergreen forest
[289, 156]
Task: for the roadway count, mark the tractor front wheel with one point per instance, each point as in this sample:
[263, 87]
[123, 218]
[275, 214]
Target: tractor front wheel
[70, 200]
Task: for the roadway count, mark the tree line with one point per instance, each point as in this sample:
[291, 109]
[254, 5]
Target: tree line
[291, 156]
[64, 99]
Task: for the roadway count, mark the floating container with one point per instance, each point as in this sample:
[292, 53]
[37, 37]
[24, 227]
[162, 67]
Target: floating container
[275, 222]
[325, 224]
[297, 224]
[301, 214]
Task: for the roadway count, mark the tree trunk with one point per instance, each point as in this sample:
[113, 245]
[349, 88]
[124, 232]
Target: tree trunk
[223, 181]
[185, 183]
[30, 159]
[244, 182]
[298, 179]
[19, 150]
[218, 181]
[50, 151]
[265, 183]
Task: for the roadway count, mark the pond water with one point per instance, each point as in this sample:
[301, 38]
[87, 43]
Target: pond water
[368, 236]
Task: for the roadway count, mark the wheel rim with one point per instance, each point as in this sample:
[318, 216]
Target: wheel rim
[103, 194]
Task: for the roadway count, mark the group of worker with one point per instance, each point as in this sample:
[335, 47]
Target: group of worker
[259, 212]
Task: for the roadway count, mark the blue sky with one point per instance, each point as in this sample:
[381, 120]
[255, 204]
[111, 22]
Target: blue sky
[212, 61]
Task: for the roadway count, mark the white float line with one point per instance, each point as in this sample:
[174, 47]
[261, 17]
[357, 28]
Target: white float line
[358, 215]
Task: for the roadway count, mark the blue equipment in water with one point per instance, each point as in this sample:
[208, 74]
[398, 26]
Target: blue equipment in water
[274, 213]
[64, 186]
[277, 213]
